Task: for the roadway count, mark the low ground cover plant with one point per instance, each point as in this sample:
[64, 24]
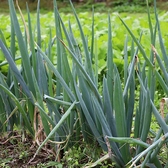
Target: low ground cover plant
[138, 23]
[57, 95]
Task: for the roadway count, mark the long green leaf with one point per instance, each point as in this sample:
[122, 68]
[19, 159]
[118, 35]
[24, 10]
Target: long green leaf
[87, 96]
[38, 25]
[31, 42]
[15, 70]
[39, 98]
[150, 25]
[90, 121]
[126, 60]
[146, 120]
[128, 140]
[22, 46]
[155, 111]
[119, 107]
[63, 118]
[54, 100]
[151, 147]
[110, 64]
[59, 46]
[163, 69]
[162, 46]
[162, 82]
[41, 74]
[159, 118]
[15, 99]
[88, 61]
[57, 74]
[92, 41]
[108, 110]
[138, 44]
[130, 105]
[89, 80]
[120, 114]
[106, 131]
[130, 75]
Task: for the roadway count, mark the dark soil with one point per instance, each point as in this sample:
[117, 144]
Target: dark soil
[16, 151]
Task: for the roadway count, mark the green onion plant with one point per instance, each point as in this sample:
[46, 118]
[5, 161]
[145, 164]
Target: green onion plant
[59, 83]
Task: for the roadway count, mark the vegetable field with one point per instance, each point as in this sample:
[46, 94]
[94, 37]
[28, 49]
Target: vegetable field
[137, 22]
[87, 89]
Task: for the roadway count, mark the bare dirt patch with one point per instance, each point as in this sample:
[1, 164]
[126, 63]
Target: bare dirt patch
[16, 151]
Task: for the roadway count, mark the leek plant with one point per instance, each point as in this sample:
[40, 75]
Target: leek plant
[57, 88]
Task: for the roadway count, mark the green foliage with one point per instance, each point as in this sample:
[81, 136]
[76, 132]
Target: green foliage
[138, 25]
[58, 82]
[50, 164]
